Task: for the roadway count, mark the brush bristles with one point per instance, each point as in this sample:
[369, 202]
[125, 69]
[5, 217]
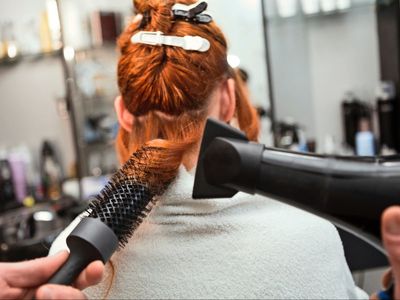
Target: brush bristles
[122, 207]
[128, 197]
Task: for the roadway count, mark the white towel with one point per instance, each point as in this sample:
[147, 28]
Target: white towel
[244, 247]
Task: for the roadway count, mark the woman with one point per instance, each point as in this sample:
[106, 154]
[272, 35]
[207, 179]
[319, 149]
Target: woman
[245, 247]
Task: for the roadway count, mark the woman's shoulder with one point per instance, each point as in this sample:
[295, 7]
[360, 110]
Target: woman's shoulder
[301, 239]
[287, 222]
[298, 245]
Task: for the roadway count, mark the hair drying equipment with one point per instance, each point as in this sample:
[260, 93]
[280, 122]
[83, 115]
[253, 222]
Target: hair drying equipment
[113, 216]
[351, 192]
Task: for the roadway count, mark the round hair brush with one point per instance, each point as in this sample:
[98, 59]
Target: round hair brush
[114, 214]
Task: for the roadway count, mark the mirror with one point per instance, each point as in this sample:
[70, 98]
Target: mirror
[322, 52]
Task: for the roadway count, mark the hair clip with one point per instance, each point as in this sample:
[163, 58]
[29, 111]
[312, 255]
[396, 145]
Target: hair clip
[192, 13]
[157, 38]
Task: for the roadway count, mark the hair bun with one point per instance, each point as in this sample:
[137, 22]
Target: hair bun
[159, 12]
[141, 6]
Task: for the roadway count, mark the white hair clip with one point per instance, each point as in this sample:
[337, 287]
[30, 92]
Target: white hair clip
[157, 38]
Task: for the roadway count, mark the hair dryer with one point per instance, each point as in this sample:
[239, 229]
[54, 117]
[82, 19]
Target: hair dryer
[351, 192]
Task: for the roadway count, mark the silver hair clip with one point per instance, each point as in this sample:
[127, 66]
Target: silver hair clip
[157, 38]
[192, 13]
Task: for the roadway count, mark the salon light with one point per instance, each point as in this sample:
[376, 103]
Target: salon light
[327, 5]
[12, 50]
[286, 8]
[69, 53]
[54, 22]
[343, 4]
[233, 60]
[44, 216]
[310, 7]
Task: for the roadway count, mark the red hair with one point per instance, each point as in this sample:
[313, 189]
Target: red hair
[167, 88]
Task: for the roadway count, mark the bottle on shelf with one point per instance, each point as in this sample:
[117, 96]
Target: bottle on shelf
[31, 43]
[7, 195]
[19, 172]
[353, 112]
[386, 101]
[365, 140]
[50, 172]
[350, 114]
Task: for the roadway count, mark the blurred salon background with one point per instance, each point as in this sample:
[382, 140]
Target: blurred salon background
[323, 74]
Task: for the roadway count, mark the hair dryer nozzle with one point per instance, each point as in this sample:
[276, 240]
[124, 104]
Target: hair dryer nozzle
[203, 188]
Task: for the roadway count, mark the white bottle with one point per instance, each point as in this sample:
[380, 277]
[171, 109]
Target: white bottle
[365, 141]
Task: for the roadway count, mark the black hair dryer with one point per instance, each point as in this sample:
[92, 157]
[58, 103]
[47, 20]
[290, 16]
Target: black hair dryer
[351, 192]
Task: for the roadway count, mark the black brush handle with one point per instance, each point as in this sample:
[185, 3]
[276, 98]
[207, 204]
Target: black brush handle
[91, 240]
[75, 264]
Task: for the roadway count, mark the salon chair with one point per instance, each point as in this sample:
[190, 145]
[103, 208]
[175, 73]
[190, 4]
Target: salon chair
[359, 254]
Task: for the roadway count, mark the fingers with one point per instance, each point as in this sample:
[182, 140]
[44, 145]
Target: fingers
[391, 240]
[52, 291]
[34, 272]
[91, 275]
[387, 279]
[374, 297]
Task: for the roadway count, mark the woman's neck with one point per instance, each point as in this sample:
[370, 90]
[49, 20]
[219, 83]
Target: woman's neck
[190, 157]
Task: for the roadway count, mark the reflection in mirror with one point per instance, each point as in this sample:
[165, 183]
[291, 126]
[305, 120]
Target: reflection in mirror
[324, 60]
[242, 23]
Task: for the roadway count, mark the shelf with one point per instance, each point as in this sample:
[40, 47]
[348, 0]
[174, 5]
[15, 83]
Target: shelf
[107, 99]
[107, 46]
[93, 146]
[29, 57]
[54, 53]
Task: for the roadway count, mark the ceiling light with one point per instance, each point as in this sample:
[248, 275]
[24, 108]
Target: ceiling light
[343, 4]
[310, 6]
[286, 8]
[327, 5]
[233, 60]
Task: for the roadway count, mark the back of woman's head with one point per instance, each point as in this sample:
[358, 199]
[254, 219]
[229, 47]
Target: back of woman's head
[167, 88]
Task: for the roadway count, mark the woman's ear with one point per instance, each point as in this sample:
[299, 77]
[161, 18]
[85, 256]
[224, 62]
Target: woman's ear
[125, 118]
[227, 100]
